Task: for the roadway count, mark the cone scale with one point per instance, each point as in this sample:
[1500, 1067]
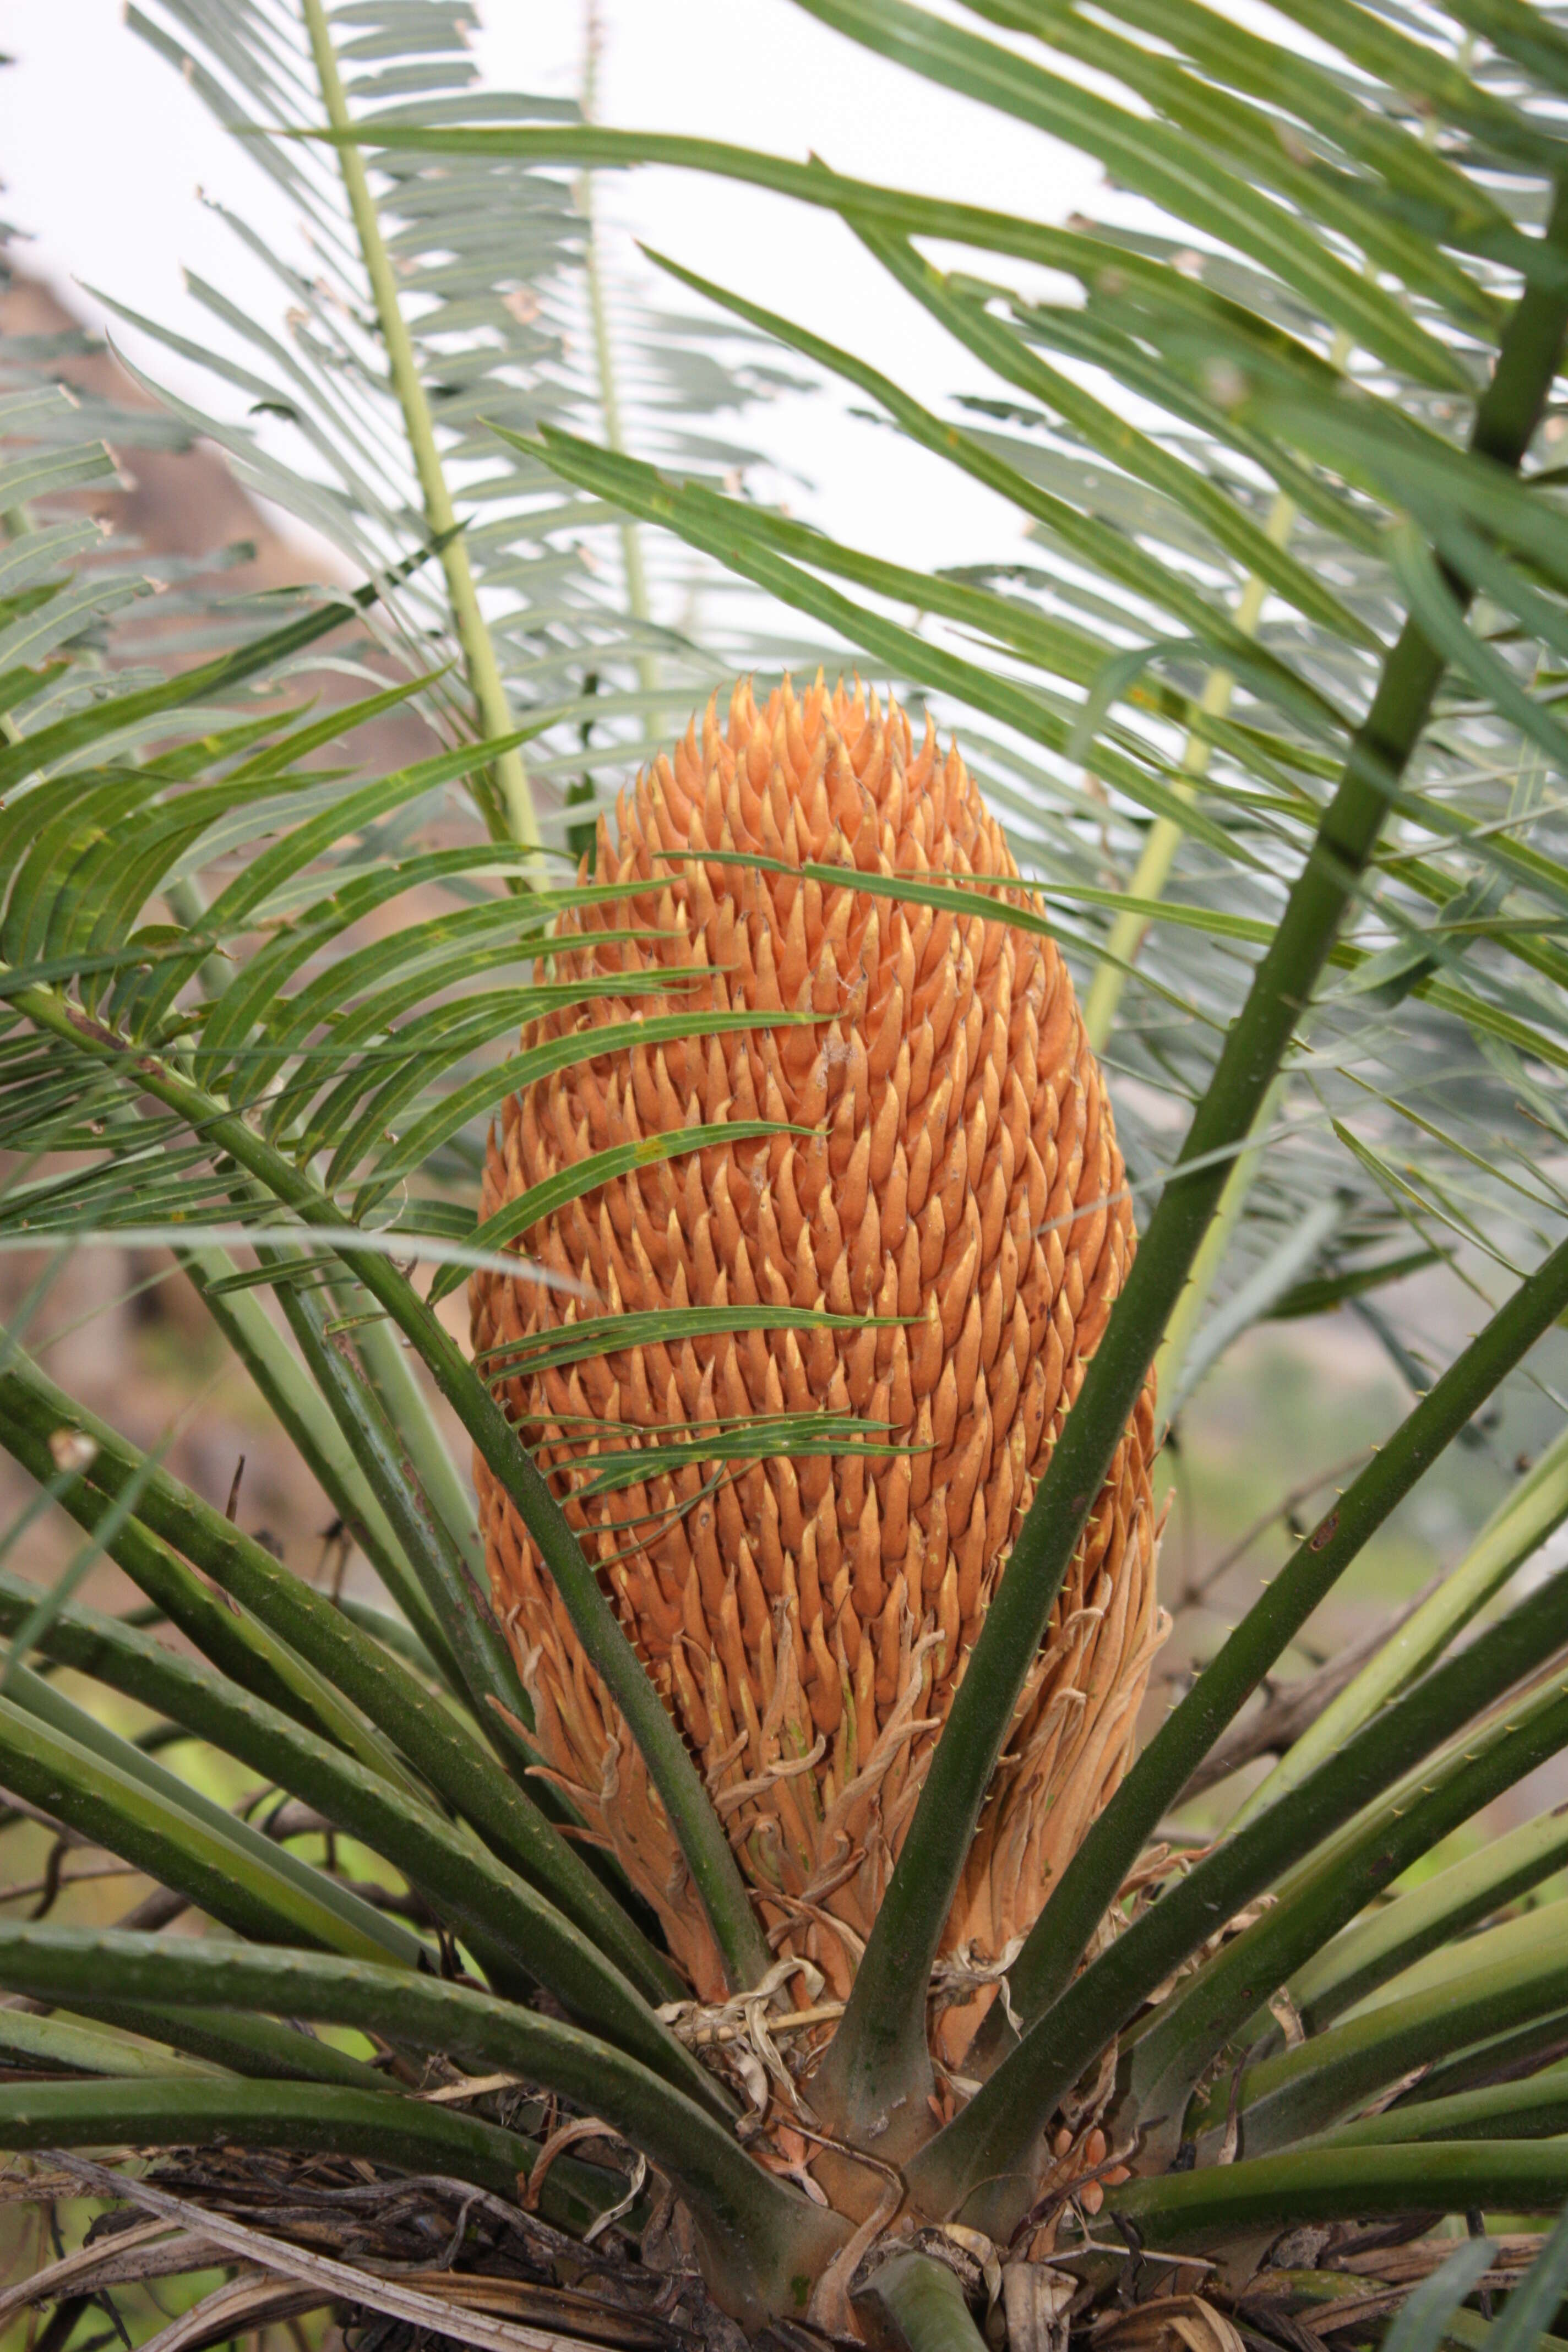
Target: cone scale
[806, 1621]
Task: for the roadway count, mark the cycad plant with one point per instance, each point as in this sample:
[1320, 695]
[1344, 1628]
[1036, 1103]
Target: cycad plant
[731, 1860]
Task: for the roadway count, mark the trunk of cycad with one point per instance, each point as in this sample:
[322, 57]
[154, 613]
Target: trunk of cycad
[806, 1621]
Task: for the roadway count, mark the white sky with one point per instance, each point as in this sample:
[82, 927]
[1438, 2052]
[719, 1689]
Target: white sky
[103, 150]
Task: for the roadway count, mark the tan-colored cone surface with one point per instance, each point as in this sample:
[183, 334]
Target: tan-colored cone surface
[806, 1621]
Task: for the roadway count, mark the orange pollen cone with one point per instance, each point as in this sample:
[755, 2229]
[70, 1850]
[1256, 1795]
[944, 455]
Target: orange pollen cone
[806, 1617]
